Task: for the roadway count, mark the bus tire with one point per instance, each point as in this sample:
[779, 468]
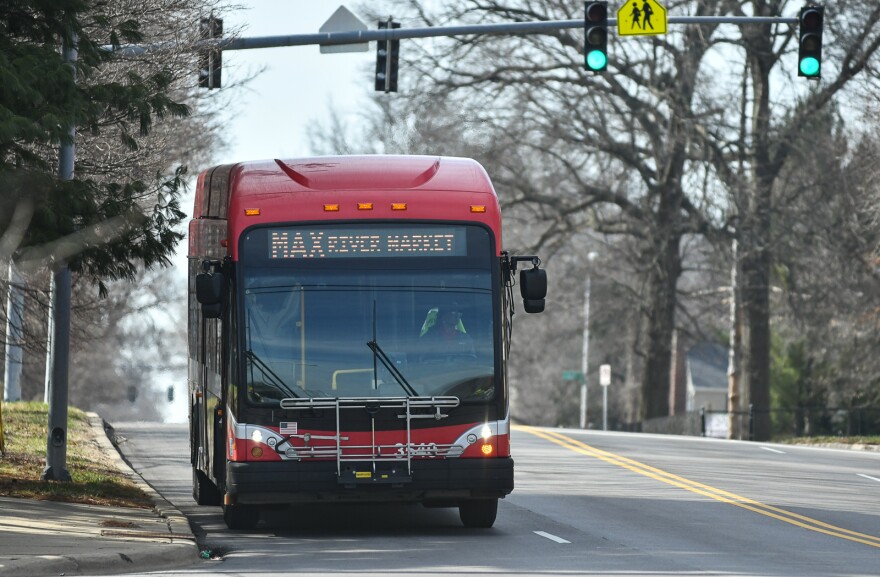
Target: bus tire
[478, 513]
[204, 491]
[241, 516]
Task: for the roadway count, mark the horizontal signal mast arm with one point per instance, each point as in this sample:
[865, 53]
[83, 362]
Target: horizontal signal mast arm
[360, 36]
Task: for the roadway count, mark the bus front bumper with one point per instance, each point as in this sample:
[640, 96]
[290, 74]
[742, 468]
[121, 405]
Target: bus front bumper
[440, 480]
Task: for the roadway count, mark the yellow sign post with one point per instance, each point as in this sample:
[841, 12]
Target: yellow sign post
[641, 17]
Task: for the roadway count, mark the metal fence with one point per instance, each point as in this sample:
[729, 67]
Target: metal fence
[787, 423]
[807, 421]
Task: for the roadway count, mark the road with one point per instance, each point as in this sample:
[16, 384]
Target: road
[585, 503]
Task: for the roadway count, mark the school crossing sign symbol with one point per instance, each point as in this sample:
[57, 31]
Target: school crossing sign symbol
[641, 17]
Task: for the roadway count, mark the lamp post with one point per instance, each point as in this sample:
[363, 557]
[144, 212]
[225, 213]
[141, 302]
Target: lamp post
[585, 351]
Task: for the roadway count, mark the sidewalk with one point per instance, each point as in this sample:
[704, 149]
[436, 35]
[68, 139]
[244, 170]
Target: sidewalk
[41, 538]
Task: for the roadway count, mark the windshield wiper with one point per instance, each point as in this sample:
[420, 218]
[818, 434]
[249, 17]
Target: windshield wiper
[267, 372]
[378, 353]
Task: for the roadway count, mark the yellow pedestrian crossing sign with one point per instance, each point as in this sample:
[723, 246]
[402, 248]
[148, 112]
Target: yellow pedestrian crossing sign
[641, 17]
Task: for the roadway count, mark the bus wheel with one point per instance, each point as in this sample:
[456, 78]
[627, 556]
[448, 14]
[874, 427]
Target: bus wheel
[478, 513]
[241, 516]
[204, 491]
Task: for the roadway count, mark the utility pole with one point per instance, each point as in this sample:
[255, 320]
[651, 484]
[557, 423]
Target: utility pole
[585, 351]
[735, 397]
[59, 356]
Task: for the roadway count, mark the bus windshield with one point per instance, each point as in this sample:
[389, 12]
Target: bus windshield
[309, 332]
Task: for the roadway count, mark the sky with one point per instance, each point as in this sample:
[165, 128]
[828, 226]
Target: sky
[272, 113]
[298, 84]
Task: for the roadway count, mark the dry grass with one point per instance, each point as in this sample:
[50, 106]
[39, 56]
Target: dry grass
[870, 440]
[96, 480]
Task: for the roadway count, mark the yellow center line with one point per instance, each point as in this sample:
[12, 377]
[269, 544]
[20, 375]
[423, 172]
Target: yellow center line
[702, 489]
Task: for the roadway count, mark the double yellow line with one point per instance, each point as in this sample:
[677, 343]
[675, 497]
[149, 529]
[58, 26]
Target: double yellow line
[701, 489]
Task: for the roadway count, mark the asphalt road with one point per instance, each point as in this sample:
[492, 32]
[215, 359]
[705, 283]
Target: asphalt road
[585, 503]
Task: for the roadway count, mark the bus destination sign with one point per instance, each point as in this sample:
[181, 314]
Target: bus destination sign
[358, 242]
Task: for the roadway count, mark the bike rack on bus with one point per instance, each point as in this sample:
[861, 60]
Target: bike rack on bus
[411, 407]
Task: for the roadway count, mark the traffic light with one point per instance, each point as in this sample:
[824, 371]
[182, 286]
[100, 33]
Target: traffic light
[387, 53]
[810, 22]
[596, 35]
[210, 58]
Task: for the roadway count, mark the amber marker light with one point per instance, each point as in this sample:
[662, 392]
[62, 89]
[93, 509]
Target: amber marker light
[331, 208]
[258, 452]
[478, 208]
[486, 449]
[365, 206]
[252, 212]
[398, 206]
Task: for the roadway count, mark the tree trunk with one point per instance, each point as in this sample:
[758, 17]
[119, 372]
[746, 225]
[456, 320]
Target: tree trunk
[662, 280]
[755, 239]
[756, 338]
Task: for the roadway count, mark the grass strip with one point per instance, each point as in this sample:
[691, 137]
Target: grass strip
[96, 480]
[825, 440]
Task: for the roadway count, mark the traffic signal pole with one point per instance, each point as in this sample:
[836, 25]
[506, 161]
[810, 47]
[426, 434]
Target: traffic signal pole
[507, 28]
[473, 29]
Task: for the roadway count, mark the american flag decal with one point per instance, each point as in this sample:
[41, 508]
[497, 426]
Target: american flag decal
[287, 428]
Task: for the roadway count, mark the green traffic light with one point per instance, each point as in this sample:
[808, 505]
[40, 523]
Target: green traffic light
[809, 66]
[596, 60]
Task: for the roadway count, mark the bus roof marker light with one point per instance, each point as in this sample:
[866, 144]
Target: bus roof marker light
[331, 208]
[365, 206]
[252, 212]
[398, 206]
[478, 208]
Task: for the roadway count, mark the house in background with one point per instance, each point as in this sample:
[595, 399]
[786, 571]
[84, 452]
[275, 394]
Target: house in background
[698, 381]
[706, 377]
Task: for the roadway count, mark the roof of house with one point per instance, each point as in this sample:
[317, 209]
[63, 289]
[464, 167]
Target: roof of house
[708, 365]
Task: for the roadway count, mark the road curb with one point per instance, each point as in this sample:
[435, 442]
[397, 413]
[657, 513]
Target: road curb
[841, 446]
[174, 556]
[179, 528]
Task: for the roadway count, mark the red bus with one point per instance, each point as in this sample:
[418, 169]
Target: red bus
[349, 328]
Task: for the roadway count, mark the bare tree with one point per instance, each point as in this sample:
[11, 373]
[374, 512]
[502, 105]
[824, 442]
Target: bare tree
[611, 153]
[751, 150]
[673, 143]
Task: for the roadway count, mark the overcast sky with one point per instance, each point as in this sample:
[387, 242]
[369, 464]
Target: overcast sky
[298, 83]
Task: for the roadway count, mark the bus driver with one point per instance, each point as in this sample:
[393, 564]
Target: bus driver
[443, 333]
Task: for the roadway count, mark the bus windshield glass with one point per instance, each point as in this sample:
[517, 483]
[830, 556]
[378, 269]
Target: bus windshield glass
[330, 326]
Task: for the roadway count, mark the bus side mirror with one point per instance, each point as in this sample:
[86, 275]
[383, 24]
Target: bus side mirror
[533, 288]
[209, 292]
